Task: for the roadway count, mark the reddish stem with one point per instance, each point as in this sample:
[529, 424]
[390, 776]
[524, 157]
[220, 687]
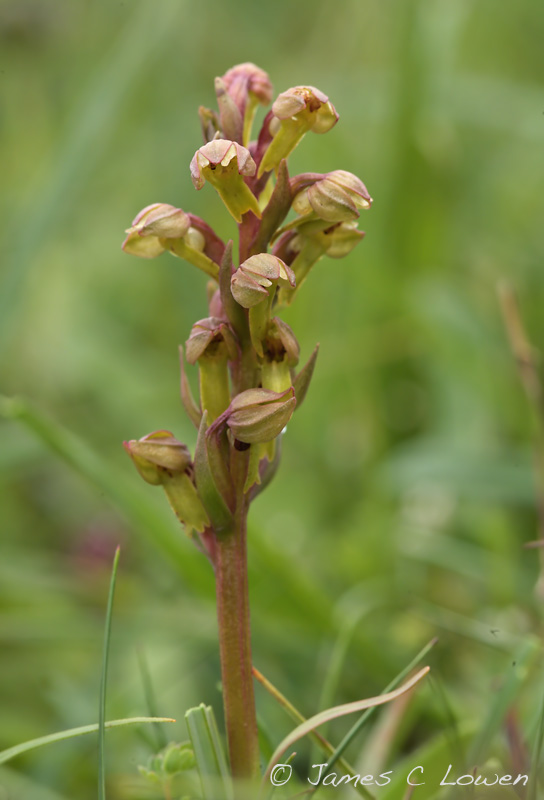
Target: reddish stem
[235, 636]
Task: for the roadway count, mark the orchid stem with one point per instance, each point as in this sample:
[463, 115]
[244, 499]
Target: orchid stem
[234, 633]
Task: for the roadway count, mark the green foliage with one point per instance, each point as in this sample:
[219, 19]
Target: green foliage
[208, 752]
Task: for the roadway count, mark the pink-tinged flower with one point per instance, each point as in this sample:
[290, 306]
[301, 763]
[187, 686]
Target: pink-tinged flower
[294, 113]
[256, 415]
[254, 285]
[212, 338]
[260, 415]
[334, 197]
[224, 164]
[254, 280]
[153, 223]
[247, 79]
[245, 85]
[162, 227]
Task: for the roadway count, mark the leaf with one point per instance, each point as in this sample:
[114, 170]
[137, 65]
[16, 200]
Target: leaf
[70, 733]
[267, 471]
[208, 491]
[210, 759]
[189, 404]
[235, 313]
[333, 713]
[275, 212]
[217, 447]
[302, 380]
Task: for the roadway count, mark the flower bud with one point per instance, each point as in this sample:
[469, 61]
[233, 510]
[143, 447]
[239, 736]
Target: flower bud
[308, 103]
[295, 112]
[335, 197]
[213, 344]
[153, 223]
[157, 452]
[252, 281]
[244, 80]
[224, 164]
[164, 461]
[259, 415]
[247, 86]
[232, 123]
[212, 337]
[253, 286]
[163, 227]
[178, 758]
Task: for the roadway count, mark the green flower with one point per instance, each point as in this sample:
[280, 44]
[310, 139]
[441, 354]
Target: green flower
[162, 227]
[254, 285]
[155, 223]
[294, 113]
[224, 164]
[334, 197]
[164, 461]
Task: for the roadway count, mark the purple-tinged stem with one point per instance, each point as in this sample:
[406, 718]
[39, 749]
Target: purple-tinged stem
[235, 635]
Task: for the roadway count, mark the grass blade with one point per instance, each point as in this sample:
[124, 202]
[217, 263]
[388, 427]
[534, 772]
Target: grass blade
[333, 713]
[70, 733]
[338, 656]
[352, 733]
[150, 698]
[103, 684]
[210, 758]
[320, 741]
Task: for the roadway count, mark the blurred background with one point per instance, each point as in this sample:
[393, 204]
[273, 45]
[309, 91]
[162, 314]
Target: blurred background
[407, 489]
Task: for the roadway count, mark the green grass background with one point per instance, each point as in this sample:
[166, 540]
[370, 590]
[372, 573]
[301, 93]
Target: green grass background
[406, 492]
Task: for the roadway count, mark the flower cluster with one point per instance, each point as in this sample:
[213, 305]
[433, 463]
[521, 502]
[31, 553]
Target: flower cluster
[247, 355]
